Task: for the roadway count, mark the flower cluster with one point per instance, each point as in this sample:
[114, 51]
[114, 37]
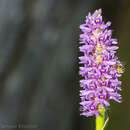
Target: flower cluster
[100, 67]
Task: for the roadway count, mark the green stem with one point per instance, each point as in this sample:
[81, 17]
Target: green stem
[100, 120]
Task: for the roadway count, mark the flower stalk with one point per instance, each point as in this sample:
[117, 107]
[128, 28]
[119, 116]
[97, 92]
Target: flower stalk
[100, 120]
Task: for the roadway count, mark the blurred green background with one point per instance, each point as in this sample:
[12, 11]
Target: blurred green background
[39, 81]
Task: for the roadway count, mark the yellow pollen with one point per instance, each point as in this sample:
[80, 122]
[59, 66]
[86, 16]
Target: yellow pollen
[97, 20]
[101, 38]
[102, 70]
[92, 76]
[101, 96]
[103, 79]
[105, 58]
[92, 107]
[98, 49]
[103, 83]
[98, 59]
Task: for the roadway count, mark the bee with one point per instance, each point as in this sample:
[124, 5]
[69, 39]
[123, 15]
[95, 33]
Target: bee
[120, 67]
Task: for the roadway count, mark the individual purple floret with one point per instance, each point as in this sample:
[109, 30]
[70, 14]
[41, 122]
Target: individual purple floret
[100, 67]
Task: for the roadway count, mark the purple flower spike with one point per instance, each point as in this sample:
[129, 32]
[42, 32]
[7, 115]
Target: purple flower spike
[100, 67]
